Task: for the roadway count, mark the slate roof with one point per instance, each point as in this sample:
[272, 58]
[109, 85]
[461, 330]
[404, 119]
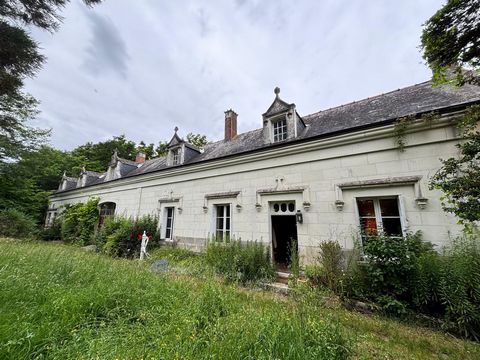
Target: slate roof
[375, 111]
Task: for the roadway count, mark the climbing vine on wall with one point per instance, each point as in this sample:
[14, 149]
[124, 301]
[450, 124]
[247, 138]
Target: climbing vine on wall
[79, 221]
[402, 125]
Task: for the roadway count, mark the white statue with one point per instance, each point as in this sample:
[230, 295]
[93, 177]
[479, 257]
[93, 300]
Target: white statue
[143, 247]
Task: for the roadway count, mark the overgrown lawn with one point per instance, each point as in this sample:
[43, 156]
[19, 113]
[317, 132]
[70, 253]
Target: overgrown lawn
[57, 301]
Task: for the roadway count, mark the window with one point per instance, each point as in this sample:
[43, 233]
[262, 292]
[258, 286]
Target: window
[379, 216]
[279, 130]
[107, 210]
[176, 157]
[169, 217]
[222, 222]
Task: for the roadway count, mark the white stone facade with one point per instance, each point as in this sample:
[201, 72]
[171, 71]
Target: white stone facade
[323, 176]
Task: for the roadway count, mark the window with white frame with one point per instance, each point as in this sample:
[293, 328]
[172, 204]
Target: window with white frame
[176, 157]
[380, 216]
[169, 214]
[222, 222]
[279, 130]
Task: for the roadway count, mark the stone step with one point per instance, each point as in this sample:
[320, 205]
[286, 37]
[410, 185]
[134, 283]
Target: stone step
[278, 287]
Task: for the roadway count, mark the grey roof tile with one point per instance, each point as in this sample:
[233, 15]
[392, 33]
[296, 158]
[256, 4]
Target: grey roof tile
[372, 111]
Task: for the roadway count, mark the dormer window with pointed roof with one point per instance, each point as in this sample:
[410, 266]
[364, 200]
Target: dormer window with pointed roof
[180, 151]
[281, 121]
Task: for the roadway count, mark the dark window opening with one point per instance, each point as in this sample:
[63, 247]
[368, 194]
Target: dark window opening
[170, 214]
[107, 210]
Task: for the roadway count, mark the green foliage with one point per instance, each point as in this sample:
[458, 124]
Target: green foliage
[459, 286]
[197, 139]
[51, 233]
[98, 155]
[16, 136]
[245, 262]
[122, 237]
[19, 57]
[79, 222]
[63, 303]
[16, 224]
[294, 264]
[315, 274]
[459, 178]
[400, 131]
[390, 263]
[331, 261]
[451, 39]
[448, 285]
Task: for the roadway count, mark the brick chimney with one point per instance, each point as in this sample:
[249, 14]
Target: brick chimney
[140, 158]
[230, 124]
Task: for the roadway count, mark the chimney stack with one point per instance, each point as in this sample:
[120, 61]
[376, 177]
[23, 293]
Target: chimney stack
[140, 158]
[230, 124]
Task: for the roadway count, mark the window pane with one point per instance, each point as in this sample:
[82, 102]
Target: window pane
[227, 221]
[368, 226]
[168, 233]
[389, 207]
[219, 211]
[220, 223]
[392, 227]
[365, 207]
[227, 208]
[291, 207]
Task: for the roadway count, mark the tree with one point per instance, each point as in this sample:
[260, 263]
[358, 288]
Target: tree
[148, 150]
[27, 183]
[459, 178]
[161, 149]
[198, 140]
[451, 40]
[20, 58]
[16, 137]
[97, 156]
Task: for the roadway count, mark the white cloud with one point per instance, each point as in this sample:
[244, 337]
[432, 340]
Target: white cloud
[184, 63]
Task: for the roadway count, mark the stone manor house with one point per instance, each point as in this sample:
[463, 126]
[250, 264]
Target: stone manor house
[334, 174]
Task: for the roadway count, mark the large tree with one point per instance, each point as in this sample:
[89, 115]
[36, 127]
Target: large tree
[20, 58]
[451, 41]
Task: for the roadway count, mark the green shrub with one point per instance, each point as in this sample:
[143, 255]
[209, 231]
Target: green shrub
[14, 223]
[244, 262]
[459, 286]
[79, 222]
[315, 274]
[122, 237]
[390, 264]
[53, 232]
[331, 260]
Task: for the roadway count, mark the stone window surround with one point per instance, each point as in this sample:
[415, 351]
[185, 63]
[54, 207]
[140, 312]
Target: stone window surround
[166, 202]
[414, 180]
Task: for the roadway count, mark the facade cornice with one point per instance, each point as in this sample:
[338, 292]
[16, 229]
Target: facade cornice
[291, 148]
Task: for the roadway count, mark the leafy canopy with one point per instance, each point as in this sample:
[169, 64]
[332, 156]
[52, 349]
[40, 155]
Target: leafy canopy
[459, 178]
[451, 40]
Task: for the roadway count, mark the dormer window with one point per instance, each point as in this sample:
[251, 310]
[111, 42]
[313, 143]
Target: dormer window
[279, 130]
[176, 157]
[281, 122]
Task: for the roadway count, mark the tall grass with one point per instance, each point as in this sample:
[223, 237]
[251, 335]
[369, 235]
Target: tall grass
[61, 303]
[240, 261]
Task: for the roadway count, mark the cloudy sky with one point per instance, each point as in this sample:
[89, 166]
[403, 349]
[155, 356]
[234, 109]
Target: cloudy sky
[140, 68]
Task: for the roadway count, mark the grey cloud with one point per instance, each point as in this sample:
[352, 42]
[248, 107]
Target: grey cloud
[107, 50]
